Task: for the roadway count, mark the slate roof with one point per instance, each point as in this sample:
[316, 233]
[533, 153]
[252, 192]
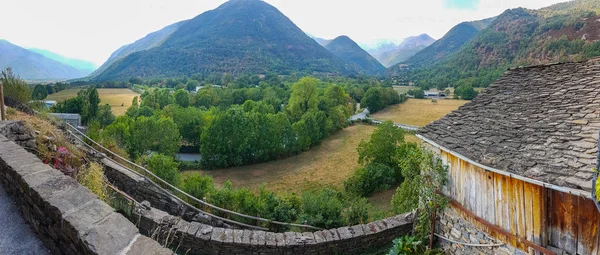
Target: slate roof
[540, 122]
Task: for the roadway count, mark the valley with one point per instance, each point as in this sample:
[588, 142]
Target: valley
[418, 112]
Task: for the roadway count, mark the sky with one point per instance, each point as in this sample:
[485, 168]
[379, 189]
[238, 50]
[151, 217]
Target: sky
[92, 29]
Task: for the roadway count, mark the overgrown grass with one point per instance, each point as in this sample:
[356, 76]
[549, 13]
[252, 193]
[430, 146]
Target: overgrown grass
[92, 176]
[118, 99]
[418, 112]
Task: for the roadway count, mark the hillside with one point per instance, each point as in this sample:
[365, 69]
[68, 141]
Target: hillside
[81, 65]
[150, 41]
[33, 66]
[408, 48]
[321, 41]
[346, 49]
[240, 36]
[564, 32]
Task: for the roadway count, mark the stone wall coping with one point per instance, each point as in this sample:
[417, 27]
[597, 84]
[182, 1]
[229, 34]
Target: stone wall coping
[66, 216]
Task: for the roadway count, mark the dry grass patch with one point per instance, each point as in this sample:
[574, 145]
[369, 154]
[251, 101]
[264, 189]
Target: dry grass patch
[418, 112]
[328, 164]
[118, 99]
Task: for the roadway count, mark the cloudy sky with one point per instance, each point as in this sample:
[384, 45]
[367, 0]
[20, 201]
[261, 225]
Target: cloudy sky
[93, 29]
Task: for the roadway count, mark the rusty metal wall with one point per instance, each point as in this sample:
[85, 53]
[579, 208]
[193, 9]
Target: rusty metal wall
[533, 215]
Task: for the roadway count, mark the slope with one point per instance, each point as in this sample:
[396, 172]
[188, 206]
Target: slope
[81, 65]
[346, 49]
[33, 66]
[150, 41]
[564, 32]
[240, 36]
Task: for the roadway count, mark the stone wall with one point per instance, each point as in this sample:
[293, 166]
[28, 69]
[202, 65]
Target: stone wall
[452, 226]
[142, 189]
[66, 216]
[197, 238]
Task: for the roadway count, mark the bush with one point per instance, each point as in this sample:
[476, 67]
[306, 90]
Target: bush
[199, 186]
[409, 245]
[357, 212]
[165, 168]
[92, 177]
[14, 87]
[322, 209]
[369, 179]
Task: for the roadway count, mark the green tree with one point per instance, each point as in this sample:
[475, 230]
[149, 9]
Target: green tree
[191, 85]
[165, 168]
[382, 146]
[93, 101]
[39, 92]
[373, 100]
[105, 115]
[199, 186]
[182, 98]
[304, 97]
[322, 209]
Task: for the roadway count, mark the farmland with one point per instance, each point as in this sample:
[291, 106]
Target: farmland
[118, 99]
[418, 112]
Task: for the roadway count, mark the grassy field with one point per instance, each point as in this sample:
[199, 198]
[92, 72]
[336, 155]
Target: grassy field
[328, 164]
[403, 89]
[118, 99]
[418, 112]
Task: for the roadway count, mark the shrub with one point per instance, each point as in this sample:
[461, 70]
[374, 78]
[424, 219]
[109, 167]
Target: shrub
[14, 87]
[199, 186]
[357, 212]
[369, 179]
[165, 168]
[409, 245]
[322, 209]
[92, 177]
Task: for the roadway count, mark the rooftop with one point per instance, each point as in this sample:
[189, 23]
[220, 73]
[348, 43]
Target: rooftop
[540, 122]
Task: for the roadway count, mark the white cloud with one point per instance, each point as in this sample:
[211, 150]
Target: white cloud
[92, 30]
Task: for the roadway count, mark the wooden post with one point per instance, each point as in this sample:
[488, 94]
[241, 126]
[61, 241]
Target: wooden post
[432, 228]
[2, 113]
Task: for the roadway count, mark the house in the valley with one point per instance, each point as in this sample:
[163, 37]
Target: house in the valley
[521, 159]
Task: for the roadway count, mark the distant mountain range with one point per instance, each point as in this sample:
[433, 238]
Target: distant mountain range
[82, 65]
[30, 65]
[477, 53]
[346, 49]
[390, 55]
[240, 36]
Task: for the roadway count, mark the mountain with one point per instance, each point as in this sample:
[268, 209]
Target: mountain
[519, 37]
[33, 66]
[81, 65]
[240, 36]
[150, 41]
[408, 48]
[321, 41]
[346, 49]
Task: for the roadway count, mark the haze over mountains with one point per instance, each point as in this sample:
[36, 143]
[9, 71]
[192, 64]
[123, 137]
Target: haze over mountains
[33, 66]
[389, 56]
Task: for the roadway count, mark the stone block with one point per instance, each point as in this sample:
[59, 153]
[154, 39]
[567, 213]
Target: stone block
[258, 238]
[146, 246]
[79, 222]
[111, 235]
[356, 231]
[70, 200]
[291, 238]
[38, 178]
[344, 233]
[247, 237]
[270, 240]
[237, 236]
[218, 235]
[205, 232]
[308, 238]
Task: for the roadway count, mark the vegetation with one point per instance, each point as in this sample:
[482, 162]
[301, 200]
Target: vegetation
[239, 37]
[376, 98]
[14, 87]
[86, 104]
[119, 99]
[346, 49]
[92, 177]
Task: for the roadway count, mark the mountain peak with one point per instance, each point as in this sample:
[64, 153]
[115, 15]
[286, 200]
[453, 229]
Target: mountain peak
[348, 50]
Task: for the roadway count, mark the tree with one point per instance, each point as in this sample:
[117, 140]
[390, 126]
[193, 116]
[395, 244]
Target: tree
[373, 100]
[105, 115]
[14, 87]
[322, 209]
[466, 92]
[382, 146]
[39, 92]
[165, 168]
[158, 134]
[191, 85]
[93, 100]
[182, 98]
[304, 97]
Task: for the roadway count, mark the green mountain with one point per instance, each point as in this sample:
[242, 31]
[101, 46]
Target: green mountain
[240, 36]
[346, 49]
[33, 66]
[408, 48]
[518, 37]
[150, 41]
[321, 41]
[82, 65]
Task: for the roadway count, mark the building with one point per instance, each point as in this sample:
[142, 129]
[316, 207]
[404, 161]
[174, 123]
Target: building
[49, 103]
[434, 94]
[71, 118]
[521, 159]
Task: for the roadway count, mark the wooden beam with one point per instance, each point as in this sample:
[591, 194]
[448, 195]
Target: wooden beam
[493, 227]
